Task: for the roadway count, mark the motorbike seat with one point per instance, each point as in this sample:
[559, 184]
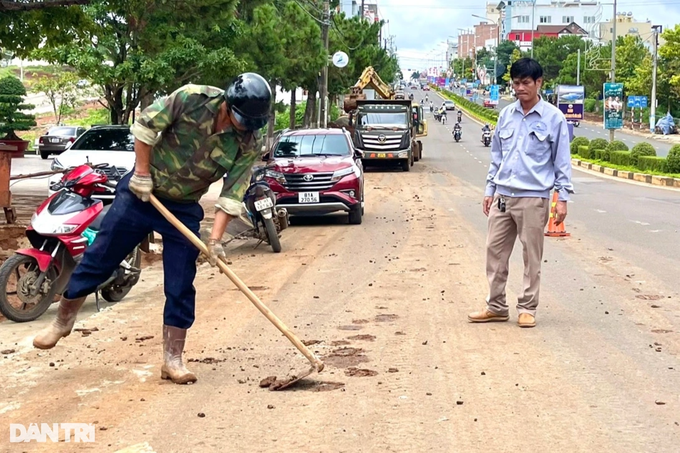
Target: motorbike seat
[97, 222]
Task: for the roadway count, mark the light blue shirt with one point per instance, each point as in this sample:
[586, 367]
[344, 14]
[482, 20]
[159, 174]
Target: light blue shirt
[530, 153]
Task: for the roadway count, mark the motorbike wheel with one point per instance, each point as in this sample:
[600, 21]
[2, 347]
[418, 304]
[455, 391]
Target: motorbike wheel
[274, 239]
[40, 303]
[116, 293]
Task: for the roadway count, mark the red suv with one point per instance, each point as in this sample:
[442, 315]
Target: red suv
[316, 172]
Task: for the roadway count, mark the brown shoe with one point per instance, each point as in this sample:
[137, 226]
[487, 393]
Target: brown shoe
[526, 320]
[486, 316]
[173, 346]
[62, 325]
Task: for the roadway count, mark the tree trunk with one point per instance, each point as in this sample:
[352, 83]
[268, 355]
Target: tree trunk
[272, 116]
[309, 118]
[292, 108]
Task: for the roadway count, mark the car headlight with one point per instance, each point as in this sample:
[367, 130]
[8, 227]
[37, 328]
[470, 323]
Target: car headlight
[339, 174]
[276, 175]
[56, 165]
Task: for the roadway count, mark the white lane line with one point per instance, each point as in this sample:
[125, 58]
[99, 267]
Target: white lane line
[640, 223]
[654, 231]
[601, 211]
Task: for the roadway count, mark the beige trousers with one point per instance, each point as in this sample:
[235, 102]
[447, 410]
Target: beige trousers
[526, 218]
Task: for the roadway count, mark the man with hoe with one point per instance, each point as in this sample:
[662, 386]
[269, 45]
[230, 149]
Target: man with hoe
[183, 144]
[529, 157]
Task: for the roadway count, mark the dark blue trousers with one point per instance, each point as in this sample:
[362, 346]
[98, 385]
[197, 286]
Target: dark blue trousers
[126, 224]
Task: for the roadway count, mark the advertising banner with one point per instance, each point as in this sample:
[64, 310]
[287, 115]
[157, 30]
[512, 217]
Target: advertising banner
[613, 105]
[570, 101]
[494, 95]
[441, 81]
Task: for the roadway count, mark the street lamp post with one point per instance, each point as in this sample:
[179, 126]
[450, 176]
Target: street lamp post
[498, 39]
[533, 25]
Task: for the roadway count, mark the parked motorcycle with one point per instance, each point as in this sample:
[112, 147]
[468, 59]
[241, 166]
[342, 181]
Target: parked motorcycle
[264, 220]
[486, 138]
[61, 229]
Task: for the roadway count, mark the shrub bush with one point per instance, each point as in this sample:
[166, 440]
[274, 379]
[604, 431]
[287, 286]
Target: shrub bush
[597, 143]
[620, 158]
[578, 142]
[601, 154]
[584, 152]
[646, 163]
[589, 105]
[641, 149]
[673, 159]
[617, 145]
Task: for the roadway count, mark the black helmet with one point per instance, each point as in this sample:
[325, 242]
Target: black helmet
[249, 98]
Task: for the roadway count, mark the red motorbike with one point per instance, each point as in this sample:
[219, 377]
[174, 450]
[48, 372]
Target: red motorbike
[61, 229]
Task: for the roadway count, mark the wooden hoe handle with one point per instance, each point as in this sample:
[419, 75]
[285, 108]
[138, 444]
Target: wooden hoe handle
[316, 363]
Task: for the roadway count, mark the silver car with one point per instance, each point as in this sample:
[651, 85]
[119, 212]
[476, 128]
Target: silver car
[58, 139]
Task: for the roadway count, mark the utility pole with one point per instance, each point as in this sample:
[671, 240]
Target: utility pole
[533, 25]
[323, 92]
[655, 43]
[613, 74]
[578, 67]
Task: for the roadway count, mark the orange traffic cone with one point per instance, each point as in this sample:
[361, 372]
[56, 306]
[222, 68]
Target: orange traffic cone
[555, 231]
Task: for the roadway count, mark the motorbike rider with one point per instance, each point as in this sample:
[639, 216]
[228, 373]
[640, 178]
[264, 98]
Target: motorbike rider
[431, 105]
[426, 98]
[460, 116]
[457, 128]
[183, 143]
[485, 129]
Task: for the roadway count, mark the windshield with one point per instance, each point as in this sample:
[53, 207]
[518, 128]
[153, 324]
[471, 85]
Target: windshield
[309, 145]
[62, 131]
[383, 119]
[118, 139]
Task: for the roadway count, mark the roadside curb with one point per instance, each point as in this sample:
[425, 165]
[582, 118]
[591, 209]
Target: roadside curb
[654, 180]
[671, 138]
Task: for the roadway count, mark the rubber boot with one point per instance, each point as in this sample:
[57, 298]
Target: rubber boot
[62, 325]
[173, 346]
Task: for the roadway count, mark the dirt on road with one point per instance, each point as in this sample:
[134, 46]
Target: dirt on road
[384, 304]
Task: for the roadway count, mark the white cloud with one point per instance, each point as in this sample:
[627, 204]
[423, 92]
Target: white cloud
[420, 26]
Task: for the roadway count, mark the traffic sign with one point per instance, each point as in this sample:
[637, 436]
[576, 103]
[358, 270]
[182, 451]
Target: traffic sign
[637, 101]
[340, 59]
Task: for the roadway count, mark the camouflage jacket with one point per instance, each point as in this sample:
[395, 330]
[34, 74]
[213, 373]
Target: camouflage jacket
[189, 155]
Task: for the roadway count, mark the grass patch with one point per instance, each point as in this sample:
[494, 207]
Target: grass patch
[627, 167]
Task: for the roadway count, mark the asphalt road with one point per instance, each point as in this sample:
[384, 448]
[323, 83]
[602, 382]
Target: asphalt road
[591, 131]
[640, 220]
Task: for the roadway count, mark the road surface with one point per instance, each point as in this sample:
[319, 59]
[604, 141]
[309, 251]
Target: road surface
[591, 131]
[385, 304]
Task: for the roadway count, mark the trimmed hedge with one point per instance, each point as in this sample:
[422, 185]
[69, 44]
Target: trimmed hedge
[597, 143]
[652, 163]
[577, 143]
[601, 154]
[620, 158]
[584, 152]
[673, 159]
[483, 113]
[641, 149]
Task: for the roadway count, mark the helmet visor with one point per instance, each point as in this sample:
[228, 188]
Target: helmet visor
[250, 123]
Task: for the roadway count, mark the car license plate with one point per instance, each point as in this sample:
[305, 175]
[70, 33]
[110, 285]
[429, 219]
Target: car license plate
[381, 155]
[308, 197]
[54, 140]
[263, 204]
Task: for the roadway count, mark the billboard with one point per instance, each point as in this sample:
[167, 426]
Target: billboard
[613, 105]
[570, 101]
[494, 94]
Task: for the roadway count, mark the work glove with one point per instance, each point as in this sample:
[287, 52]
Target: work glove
[142, 186]
[216, 251]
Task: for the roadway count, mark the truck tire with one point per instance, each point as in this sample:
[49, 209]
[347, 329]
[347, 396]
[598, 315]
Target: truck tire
[406, 164]
[416, 152]
[420, 150]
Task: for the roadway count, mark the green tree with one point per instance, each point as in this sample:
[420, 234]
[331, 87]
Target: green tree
[552, 52]
[135, 49]
[12, 118]
[630, 53]
[415, 75]
[505, 50]
[61, 91]
[670, 53]
[516, 55]
[462, 68]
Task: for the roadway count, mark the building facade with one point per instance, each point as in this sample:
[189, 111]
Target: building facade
[626, 25]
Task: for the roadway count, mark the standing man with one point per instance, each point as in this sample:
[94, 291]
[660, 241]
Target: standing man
[183, 144]
[529, 157]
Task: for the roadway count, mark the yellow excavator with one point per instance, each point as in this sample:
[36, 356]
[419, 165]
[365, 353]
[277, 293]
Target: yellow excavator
[378, 126]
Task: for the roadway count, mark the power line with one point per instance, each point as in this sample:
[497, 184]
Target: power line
[308, 13]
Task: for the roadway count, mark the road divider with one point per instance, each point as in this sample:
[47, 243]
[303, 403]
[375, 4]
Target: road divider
[654, 180]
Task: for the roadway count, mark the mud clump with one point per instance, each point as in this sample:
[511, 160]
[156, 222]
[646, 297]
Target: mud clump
[350, 327]
[7, 351]
[85, 331]
[649, 297]
[208, 360]
[346, 357]
[144, 338]
[360, 321]
[661, 331]
[400, 333]
[386, 318]
[310, 342]
[360, 372]
[362, 337]
[339, 343]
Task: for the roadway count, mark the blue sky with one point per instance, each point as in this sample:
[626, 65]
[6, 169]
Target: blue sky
[420, 26]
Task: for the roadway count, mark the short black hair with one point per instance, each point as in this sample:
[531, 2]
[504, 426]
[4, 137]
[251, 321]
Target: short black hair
[526, 67]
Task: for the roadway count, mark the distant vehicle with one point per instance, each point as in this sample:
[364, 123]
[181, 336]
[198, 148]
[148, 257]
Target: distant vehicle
[488, 103]
[449, 105]
[58, 139]
[82, 83]
[426, 88]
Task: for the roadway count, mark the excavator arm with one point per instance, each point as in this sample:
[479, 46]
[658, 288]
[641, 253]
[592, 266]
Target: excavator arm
[368, 78]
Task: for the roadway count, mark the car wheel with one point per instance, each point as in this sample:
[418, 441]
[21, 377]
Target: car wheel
[44, 154]
[356, 214]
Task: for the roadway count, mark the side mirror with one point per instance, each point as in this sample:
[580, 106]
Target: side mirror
[358, 154]
[265, 157]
